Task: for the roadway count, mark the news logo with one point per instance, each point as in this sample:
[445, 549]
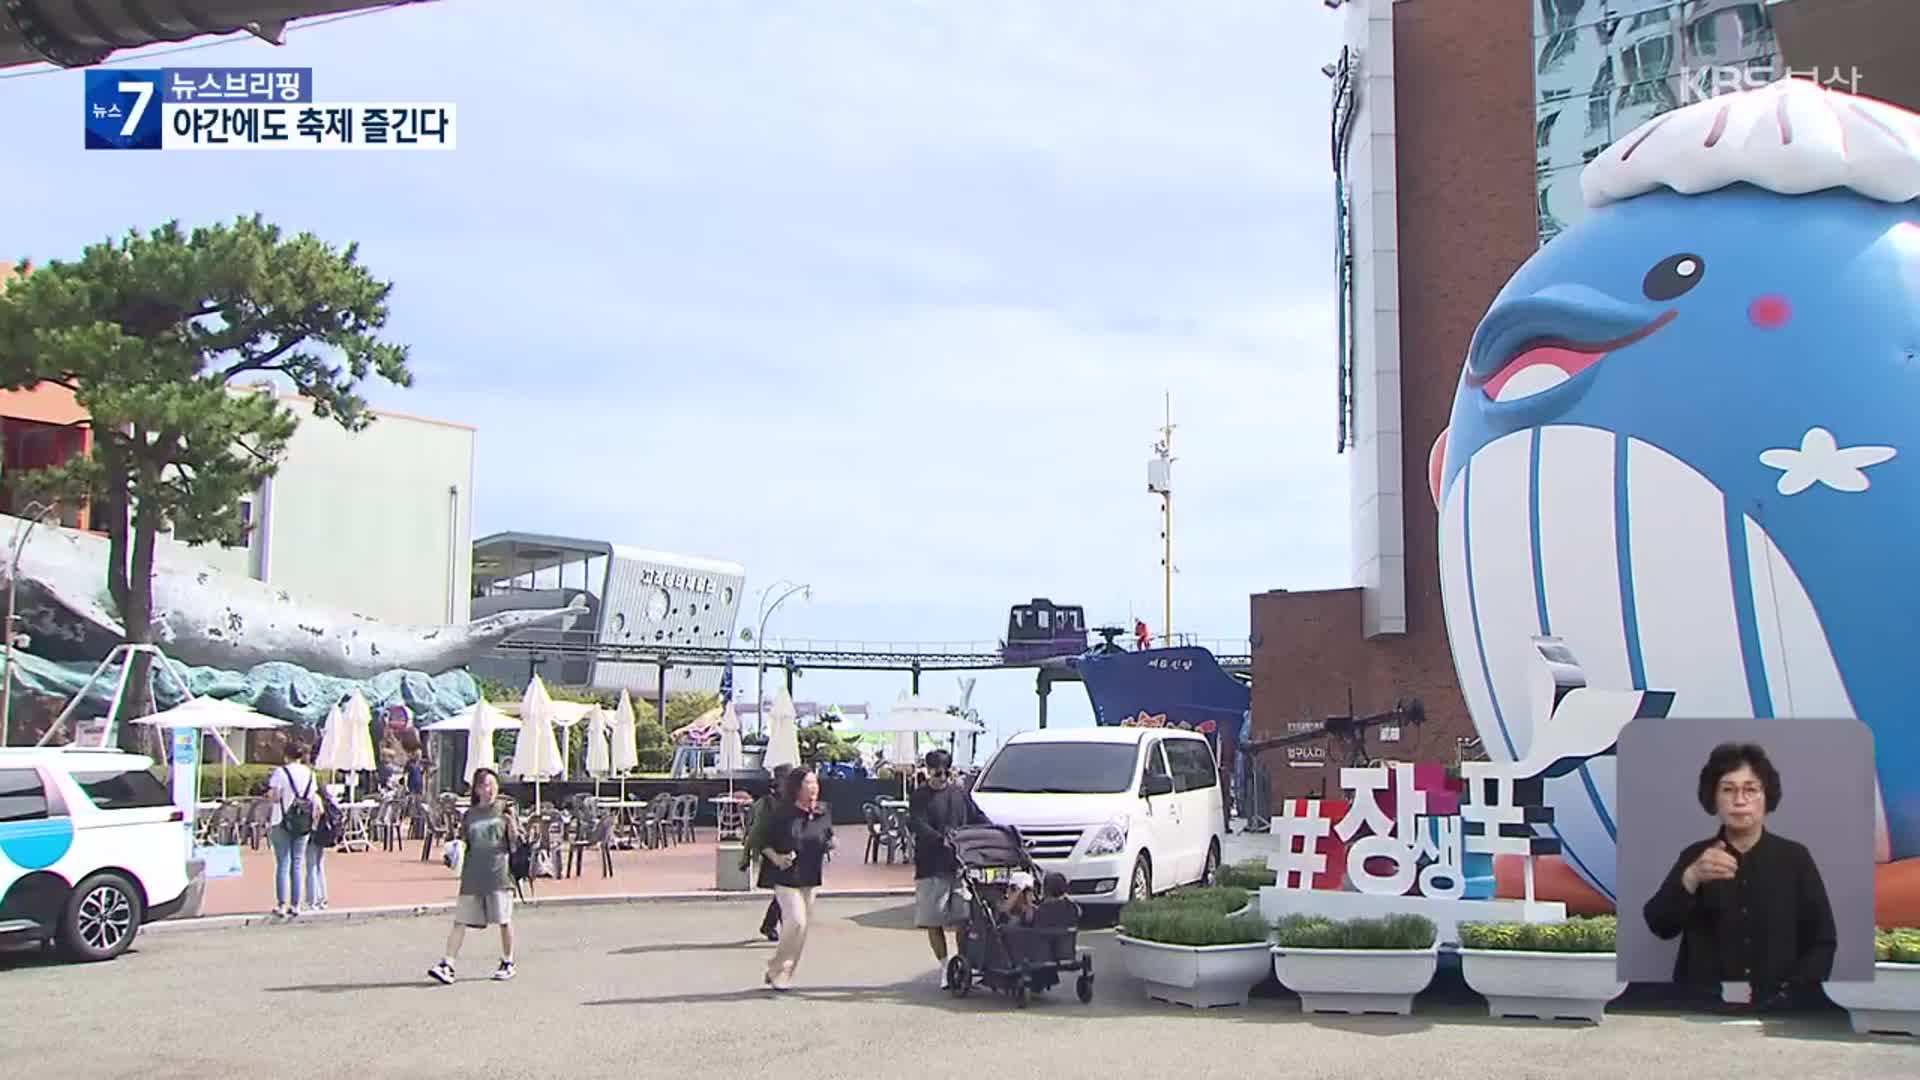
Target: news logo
[249, 109]
[123, 109]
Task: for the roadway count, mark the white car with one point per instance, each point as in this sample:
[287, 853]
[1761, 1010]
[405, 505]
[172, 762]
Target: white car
[1123, 812]
[91, 849]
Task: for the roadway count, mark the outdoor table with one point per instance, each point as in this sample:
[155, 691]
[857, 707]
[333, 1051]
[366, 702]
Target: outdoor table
[625, 811]
[731, 826]
[353, 833]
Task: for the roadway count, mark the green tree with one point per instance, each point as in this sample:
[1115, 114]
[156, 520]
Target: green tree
[153, 333]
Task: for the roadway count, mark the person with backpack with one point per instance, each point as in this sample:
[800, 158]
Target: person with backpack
[290, 792]
[325, 836]
[489, 837]
[756, 843]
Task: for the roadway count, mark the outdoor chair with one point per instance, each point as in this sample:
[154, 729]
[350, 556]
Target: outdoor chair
[389, 824]
[259, 820]
[592, 833]
[878, 836]
[229, 821]
[440, 823]
[653, 827]
[685, 809]
[899, 835]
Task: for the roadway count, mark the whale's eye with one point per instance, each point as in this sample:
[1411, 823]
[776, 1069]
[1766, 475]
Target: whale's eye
[1673, 276]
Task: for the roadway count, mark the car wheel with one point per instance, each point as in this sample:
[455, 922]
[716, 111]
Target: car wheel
[1141, 885]
[101, 918]
[1210, 873]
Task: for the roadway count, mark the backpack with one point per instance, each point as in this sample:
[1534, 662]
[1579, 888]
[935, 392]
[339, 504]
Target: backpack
[326, 831]
[520, 861]
[297, 818]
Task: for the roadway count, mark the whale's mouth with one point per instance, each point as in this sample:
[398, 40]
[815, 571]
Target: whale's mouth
[1543, 363]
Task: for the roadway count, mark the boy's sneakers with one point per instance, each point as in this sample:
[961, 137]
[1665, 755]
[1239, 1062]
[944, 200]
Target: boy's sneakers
[503, 972]
[442, 972]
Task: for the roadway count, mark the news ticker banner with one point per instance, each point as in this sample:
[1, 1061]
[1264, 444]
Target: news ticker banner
[248, 109]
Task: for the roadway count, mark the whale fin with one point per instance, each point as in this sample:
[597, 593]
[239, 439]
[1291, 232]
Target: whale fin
[85, 608]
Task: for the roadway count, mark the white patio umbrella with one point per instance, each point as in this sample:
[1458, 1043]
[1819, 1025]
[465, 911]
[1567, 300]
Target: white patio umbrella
[599, 747]
[217, 717]
[536, 752]
[479, 721]
[626, 741]
[566, 714]
[783, 733]
[347, 744]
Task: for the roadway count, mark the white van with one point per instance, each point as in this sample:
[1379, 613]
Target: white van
[1123, 812]
[91, 848]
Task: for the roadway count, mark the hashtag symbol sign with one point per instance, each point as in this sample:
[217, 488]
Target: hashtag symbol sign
[1299, 859]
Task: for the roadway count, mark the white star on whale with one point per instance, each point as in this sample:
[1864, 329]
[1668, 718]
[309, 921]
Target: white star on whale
[1821, 460]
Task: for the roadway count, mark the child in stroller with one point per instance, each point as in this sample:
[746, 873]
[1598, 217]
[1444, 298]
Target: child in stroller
[1012, 944]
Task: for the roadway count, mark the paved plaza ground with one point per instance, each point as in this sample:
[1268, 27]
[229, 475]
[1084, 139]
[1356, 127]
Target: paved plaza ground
[380, 879]
[673, 989]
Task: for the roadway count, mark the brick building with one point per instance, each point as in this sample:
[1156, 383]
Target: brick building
[1460, 128]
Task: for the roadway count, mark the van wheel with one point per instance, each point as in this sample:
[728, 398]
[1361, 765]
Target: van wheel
[101, 918]
[1141, 886]
[1210, 873]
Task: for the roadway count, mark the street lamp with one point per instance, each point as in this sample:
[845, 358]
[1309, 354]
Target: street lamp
[36, 513]
[760, 641]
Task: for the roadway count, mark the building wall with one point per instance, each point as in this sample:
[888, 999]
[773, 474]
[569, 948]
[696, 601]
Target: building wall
[1604, 67]
[1370, 181]
[652, 597]
[378, 522]
[1465, 219]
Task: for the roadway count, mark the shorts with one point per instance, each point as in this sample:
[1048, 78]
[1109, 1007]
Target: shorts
[486, 909]
[939, 902]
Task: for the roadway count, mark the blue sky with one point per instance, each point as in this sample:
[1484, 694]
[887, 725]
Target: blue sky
[882, 295]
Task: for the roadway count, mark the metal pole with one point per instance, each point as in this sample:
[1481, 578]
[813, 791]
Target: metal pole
[1166, 534]
[13, 578]
[760, 642]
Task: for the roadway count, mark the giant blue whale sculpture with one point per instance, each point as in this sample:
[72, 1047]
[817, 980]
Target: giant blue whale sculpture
[1684, 442]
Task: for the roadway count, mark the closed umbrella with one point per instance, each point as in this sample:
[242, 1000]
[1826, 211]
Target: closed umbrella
[536, 752]
[626, 741]
[480, 722]
[599, 747]
[783, 733]
[347, 744]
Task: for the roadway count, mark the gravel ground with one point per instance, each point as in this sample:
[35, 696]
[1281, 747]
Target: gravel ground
[674, 990]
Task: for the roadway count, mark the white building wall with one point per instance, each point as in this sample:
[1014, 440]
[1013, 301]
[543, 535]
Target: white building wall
[1378, 480]
[378, 522]
[655, 598]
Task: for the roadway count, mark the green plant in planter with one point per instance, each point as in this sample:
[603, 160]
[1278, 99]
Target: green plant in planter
[1576, 935]
[1320, 932]
[1899, 945]
[1251, 874]
[1192, 925]
[1220, 900]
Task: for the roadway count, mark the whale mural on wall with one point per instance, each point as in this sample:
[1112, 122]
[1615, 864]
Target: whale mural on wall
[206, 618]
[1683, 443]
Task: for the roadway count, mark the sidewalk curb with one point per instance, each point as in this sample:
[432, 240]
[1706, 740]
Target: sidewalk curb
[209, 923]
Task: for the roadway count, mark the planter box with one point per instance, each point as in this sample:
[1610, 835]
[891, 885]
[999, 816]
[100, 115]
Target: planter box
[1355, 980]
[727, 875]
[1198, 976]
[1543, 985]
[1890, 1004]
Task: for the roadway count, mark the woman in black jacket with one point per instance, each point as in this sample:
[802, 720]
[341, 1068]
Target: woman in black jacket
[799, 832]
[1747, 904]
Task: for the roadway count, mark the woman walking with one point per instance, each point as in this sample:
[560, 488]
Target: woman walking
[488, 832]
[290, 792]
[799, 833]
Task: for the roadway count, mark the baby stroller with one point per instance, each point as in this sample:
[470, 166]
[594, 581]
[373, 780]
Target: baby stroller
[1000, 953]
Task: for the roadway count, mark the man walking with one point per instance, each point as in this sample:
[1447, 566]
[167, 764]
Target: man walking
[756, 843]
[937, 806]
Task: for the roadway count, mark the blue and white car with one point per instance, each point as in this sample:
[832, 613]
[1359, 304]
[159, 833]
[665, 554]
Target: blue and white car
[91, 849]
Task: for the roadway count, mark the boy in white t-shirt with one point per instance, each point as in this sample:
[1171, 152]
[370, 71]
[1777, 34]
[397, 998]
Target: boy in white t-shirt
[292, 792]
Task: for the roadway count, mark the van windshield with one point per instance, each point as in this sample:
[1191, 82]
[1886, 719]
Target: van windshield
[1073, 768]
